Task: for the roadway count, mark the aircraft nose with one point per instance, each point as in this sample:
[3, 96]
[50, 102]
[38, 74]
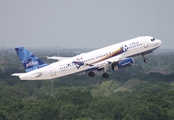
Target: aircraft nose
[159, 42]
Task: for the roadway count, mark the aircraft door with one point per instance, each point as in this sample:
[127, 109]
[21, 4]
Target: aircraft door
[145, 43]
[52, 71]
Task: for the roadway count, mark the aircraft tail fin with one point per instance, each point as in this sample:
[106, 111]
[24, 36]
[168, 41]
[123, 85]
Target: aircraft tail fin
[28, 60]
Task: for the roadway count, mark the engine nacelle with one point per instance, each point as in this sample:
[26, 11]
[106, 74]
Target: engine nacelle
[127, 62]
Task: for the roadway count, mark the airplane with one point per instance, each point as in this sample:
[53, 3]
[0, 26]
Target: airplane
[117, 56]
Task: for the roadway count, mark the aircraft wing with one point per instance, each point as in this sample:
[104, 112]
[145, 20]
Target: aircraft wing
[57, 58]
[105, 63]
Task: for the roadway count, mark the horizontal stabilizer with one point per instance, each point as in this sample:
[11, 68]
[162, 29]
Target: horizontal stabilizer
[17, 74]
[57, 58]
[21, 75]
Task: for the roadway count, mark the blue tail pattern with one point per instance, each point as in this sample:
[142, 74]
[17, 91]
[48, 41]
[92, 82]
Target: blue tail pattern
[29, 61]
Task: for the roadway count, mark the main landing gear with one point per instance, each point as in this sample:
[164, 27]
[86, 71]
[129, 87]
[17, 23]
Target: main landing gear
[145, 60]
[91, 74]
[104, 75]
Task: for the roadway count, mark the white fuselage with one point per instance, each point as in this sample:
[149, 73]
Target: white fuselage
[97, 58]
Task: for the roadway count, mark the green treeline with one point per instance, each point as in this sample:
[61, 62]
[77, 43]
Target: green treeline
[77, 104]
[128, 94]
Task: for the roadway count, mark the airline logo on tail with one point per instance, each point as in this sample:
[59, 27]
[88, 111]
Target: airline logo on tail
[31, 63]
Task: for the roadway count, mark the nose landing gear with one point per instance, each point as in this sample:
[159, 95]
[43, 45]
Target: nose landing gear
[145, 60]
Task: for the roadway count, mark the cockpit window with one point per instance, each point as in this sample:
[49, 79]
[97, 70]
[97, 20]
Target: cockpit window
[153, 39]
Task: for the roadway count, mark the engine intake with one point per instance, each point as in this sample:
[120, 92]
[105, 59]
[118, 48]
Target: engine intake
[127, 62]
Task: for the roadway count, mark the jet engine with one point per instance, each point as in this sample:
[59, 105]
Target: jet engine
[127, 62]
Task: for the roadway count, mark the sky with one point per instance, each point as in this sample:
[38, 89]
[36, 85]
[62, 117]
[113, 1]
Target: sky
[84, 23]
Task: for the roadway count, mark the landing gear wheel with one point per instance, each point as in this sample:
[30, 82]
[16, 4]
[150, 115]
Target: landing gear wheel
[91, 74]
[105, 75]
[145, 60]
